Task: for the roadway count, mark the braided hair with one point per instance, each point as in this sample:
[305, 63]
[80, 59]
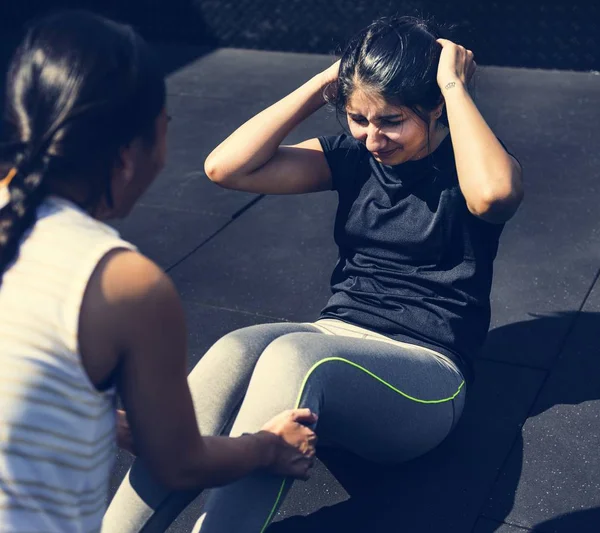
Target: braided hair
[80, 88]
[18, 215]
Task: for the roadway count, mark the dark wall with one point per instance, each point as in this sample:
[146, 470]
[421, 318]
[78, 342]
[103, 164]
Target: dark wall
[165, 20]
[529, 33]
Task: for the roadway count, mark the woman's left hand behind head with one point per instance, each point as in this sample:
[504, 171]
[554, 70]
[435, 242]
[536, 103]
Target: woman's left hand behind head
[456, 65]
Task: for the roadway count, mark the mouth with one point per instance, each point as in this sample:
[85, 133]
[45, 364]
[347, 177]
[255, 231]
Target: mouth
[385, 154]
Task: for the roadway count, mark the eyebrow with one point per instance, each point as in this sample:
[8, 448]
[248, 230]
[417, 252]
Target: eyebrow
[382, 117]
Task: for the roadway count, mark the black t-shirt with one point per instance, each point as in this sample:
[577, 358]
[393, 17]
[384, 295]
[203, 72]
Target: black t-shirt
[414, 263]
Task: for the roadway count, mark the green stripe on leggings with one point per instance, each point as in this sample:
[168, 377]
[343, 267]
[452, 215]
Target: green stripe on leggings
[326, 360]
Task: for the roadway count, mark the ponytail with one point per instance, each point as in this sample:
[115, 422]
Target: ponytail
[24, 183]
[80, 88]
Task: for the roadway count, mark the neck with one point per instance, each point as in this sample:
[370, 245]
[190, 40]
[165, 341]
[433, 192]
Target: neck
[436, 136]
[74, 194]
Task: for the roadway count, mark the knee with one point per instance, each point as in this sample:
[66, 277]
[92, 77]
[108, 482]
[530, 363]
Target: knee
[289, 358]
[226, 355]
[247, 342]
[280, 378]
[232, 344]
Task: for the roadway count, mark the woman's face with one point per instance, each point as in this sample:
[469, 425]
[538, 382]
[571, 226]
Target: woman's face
[393, 134]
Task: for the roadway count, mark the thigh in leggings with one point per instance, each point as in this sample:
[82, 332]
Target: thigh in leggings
[382, 400]
[218, 384]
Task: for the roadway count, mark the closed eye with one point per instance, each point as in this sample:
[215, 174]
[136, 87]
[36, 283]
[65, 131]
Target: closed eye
[392, 122]
[362, 121]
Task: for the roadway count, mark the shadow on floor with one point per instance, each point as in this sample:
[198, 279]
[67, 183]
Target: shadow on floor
[577, 521]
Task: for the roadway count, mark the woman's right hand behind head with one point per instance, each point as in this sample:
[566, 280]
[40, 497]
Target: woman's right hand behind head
[330, 74]
[328, 80]
[294, 450]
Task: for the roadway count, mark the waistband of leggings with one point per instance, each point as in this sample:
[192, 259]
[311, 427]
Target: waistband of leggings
[328, 326]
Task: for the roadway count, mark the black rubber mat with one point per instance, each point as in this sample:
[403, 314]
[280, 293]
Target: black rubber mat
[551, 476]
[274, 259]
[484, 525]
[168, 235]
[278, 256]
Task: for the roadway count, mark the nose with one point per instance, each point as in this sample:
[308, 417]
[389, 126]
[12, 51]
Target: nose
[376, 141]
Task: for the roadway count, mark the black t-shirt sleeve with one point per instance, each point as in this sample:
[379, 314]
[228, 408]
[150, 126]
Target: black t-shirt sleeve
[343, 154]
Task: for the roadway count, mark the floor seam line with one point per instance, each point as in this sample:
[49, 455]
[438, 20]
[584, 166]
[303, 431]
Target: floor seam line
[233, 218]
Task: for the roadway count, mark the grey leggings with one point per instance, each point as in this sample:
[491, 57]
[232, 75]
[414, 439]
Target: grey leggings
[383, 400]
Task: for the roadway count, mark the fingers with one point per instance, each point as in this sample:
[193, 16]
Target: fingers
[311, 444]
[446, 44]
[467, 54]
[303, 467]
[456, 64]
[471, 68]
[304, 416]
[297, 464]
[296, 455]
[307, 440]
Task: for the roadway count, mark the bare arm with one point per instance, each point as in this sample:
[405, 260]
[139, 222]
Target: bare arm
[490, 179]
[251, 158]
[131, 308]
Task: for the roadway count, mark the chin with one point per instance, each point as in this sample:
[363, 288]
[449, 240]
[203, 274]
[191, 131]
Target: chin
[124, 211]
[397, 161]
[118, 212]
[393, 161]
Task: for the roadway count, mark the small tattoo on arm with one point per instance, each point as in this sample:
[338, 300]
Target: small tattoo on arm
[450, 85]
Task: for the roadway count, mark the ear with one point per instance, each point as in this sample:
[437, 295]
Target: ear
[125, 166]
[122, 173]
[437, 112]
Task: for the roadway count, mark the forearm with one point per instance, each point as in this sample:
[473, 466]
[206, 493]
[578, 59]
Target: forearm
[488, 177]
[255, 142]
[222, 460]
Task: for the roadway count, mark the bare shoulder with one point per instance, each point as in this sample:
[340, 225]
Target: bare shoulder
[131, 289]
[125, 277]
[127, 295]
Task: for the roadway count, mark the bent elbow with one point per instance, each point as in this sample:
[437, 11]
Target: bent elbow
[496, 208]
[215, 173]
[213, 170]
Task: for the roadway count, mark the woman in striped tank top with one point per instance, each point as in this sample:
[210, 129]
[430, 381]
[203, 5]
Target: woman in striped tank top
[83, 315]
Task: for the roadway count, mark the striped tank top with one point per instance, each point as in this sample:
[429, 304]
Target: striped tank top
[57, 432]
